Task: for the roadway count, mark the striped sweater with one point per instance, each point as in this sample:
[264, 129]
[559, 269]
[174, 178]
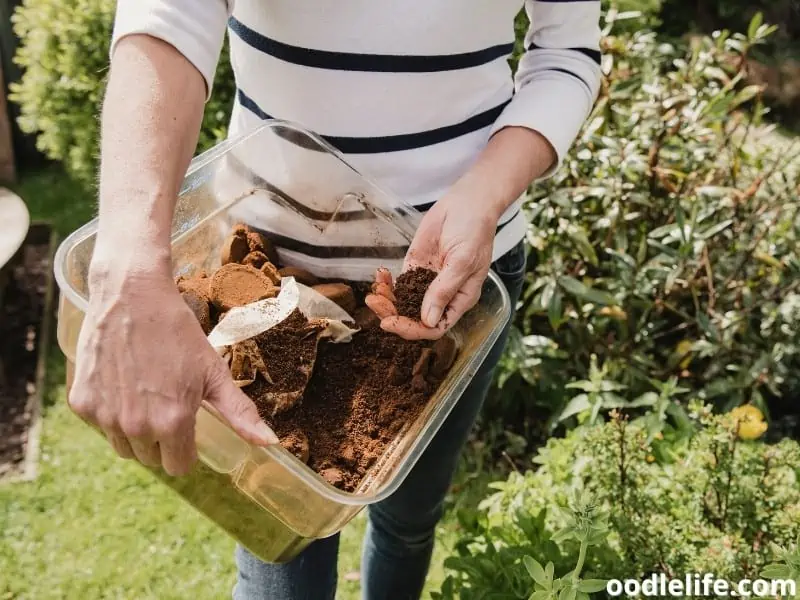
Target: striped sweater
[409, 91]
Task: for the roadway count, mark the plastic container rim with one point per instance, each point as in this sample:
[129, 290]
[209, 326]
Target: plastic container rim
[307, 475]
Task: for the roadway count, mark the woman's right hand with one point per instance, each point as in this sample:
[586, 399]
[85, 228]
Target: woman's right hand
[144, 365]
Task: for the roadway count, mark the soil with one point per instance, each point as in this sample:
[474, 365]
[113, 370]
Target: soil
[336, 407]
[410, 288]
[21, 314]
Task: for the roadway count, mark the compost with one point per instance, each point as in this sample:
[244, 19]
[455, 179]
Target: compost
[335, 406]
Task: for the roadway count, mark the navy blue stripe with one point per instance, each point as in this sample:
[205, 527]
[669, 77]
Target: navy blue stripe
[355, 252]
[395, 143]
[383, 63]
[593, 54]
[426, 206]
[575, 75]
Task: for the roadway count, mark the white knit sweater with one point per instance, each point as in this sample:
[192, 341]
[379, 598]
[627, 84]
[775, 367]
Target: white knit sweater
[410, 91]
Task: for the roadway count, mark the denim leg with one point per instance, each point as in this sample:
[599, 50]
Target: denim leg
[400, 531]
[310, 576]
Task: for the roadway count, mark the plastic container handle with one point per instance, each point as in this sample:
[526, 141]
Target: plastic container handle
[218, 446]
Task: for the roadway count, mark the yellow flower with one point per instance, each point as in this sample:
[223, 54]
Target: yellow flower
[651, 458]
[750, 421]
[684, 352]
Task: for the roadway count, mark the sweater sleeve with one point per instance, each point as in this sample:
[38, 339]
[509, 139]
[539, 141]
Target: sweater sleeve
[558, 77]
[194, 28]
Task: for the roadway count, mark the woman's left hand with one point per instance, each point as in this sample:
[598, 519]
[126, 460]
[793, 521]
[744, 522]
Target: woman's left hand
[455, 239]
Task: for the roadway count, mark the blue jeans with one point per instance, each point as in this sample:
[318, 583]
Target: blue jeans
[400, 531]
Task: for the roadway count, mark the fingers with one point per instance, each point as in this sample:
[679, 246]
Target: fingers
[383, 276]
[444, 288]
[385, 290]
[412, 330]
[237, 409]
[465, 299]
[381, 306]
[120, 445]
[179, 453]
[147, 452]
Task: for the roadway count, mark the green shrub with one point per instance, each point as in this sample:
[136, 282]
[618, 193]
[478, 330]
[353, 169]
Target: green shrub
[668, 245]
[716, 503]
[64, 53]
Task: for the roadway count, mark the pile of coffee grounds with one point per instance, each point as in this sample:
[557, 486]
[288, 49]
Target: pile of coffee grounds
[360, 394]
[351, 411]
[410, 288]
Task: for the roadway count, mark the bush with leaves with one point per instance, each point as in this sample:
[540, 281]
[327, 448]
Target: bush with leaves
[712, 502]
[519, 575]
[64, 53]
[668, 245]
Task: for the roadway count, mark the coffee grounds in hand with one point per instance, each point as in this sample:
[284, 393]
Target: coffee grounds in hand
[409, 289]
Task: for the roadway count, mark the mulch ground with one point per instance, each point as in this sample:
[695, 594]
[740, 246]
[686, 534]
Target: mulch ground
[22, 304]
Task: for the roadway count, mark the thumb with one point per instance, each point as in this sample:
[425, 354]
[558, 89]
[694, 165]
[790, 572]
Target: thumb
[444, 288]
[236, 408]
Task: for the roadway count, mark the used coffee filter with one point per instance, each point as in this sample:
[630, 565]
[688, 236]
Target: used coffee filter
[233, 337]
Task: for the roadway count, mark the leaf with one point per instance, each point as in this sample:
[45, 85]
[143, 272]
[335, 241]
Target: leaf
[554, 310]
[549, 570]
[581, 241]
[575, 287]
[568, 593]
[646, 399]
[777, 571]
[625, 258]
[536, 571]
[590, 586]
[719, 227]
[746, 94]
[755, 23]
[578, 404]
[540, 595]
[547, 294]
[663, 231]
[613, 401]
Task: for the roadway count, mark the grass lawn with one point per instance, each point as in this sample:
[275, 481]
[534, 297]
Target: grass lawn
[93, 526]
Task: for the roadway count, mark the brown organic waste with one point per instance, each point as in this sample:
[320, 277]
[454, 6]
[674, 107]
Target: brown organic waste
[336, 407]
[410, 288]
[236, 285]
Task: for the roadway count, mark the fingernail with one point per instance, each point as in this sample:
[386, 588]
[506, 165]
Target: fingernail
[265, 433]
[433, 315]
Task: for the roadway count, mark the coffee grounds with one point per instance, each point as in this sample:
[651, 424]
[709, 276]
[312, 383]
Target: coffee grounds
[349, 412]
[236, 285]
[359, 395]
[288, 350]
[409, 289]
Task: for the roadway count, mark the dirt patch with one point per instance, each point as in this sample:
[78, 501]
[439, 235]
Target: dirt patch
[348, 400]
[22, 303]
[409, 289]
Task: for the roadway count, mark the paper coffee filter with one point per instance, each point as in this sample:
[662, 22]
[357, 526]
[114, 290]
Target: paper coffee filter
[244, 322]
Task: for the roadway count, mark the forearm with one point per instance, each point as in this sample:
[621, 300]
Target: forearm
[513, 158]
[150, 123]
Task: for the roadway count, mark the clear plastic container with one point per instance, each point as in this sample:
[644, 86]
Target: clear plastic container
[292, 185]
